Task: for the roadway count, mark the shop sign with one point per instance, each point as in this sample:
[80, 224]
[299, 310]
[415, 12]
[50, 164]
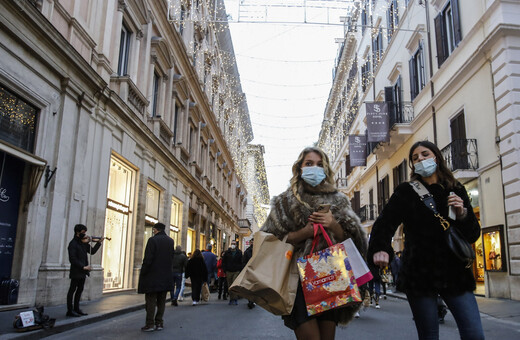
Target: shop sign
[124, 209]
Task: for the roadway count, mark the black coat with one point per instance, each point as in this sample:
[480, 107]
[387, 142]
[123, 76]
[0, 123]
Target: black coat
[248, 254]
[427, 264]
[78, 257]
[232, 261]
[156, 272]
[196, 269]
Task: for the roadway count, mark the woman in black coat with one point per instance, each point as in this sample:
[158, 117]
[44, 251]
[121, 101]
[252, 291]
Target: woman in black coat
[197, 271]
[428, 267]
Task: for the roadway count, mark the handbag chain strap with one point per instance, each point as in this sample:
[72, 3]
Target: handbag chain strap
[427, 198]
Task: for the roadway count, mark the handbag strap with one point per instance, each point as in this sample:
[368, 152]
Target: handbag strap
[427, 198]
[316, 236]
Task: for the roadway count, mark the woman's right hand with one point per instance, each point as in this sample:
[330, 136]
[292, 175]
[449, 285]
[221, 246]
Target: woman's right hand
[381, 259]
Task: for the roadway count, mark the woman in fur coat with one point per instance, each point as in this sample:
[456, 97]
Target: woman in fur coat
[293, 212]
[428, 267]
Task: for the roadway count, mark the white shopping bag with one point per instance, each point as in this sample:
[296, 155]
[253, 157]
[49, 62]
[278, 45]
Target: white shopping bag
[358, 264]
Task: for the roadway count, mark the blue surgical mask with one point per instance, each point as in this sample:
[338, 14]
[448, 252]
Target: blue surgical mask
[425, 168]
[313, 175]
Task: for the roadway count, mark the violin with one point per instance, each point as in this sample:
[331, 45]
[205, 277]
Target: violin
[98, 238]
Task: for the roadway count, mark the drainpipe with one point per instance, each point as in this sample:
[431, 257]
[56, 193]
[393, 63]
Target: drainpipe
[430, 60]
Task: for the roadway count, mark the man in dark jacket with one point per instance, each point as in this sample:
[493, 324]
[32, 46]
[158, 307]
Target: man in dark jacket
[232, 264]
[210, 260]
[156, 277]
[248, 253]
[78, 249]
[179, 266]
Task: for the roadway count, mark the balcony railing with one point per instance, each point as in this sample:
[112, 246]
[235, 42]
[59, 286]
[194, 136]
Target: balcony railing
[461, 154]
[368, 212]
[401, 113]
[341, 182]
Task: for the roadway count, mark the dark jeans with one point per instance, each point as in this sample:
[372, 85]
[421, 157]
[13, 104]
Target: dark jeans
[222, 285]
[463, 307]
[75, 290]
[196, 287]
[153, 300]
[176, 288]
[377, 285]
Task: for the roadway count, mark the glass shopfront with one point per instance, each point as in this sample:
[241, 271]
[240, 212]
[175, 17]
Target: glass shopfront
[493, 240]
[151, 217]
[176, 221]
[121, 184]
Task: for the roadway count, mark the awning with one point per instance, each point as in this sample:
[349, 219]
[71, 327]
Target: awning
[37, 166]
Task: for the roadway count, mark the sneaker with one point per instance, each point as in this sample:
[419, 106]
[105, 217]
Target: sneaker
[250, 305]
[148, 328]
[357, 315]
[194, 303]
[180, 298]
[378, 306]
[230, 302]
[159, 327]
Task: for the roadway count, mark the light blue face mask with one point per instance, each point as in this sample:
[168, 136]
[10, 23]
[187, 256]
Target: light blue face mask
[425, 168]
[313, 175]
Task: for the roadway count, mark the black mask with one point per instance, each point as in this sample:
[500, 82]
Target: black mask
[82, 235]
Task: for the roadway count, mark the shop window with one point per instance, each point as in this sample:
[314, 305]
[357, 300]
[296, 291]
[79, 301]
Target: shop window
[190, 242]
[17, 120]
[175, 221]
[493, 240]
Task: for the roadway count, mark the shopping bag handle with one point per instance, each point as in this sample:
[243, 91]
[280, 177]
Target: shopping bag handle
[316, 237]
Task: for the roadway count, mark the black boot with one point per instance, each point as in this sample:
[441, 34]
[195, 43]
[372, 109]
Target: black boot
[72, 313]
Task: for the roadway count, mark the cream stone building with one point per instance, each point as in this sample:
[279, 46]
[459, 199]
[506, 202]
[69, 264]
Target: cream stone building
[448, 71]
[117, 115]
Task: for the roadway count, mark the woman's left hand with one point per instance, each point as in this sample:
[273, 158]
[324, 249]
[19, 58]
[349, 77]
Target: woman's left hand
[327, 220]
[457, 202]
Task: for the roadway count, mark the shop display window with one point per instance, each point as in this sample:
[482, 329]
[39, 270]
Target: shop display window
[175, 221]
[493, 241]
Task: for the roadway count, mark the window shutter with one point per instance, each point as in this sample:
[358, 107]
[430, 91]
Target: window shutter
[439, 39]
[422, 77]
[348, 168]
[413, 77]
[457, 32]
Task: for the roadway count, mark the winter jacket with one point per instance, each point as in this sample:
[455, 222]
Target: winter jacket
[156, 271]
[179, 262]
[78, 257]
[211, 261]
[427, 264]
[248, 253]
[220, 270]
[232, 260]
[196, 269]
[289, 214]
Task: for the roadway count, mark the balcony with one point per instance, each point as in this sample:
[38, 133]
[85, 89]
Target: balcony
[341, 183]
[368, 213]
[461, 157]
[245, 227]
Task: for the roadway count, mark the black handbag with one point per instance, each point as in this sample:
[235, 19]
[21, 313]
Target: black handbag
[458, 245]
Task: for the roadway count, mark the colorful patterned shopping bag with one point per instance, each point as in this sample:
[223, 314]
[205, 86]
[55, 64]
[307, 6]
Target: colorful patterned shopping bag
[326, 277]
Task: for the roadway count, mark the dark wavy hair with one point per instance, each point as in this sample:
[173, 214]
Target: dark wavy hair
[443, 173]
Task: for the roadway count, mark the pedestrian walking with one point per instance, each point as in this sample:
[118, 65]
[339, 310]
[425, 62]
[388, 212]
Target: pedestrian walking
[429, 266]
[293, 213]
[395, 267]
[222, 281]
[178, 267]
[248, 253]
[210, 260]
[232, 264]
[374, 286]
[196, 271]
[80, 268]
[156, 277]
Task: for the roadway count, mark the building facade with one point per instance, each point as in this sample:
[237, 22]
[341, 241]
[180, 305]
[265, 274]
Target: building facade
[446, 70]
[117, 115]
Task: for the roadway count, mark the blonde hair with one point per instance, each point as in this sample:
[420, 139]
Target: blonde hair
[296, 180]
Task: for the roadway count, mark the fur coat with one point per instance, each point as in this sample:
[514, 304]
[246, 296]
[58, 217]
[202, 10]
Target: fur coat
[288, 214]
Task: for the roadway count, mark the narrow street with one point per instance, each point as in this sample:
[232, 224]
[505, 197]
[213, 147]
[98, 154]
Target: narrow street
[218, 320]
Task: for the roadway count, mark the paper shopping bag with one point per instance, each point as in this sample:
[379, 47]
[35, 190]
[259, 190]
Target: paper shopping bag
[270, 278]
[327, 278]
[358, 264]
[205, 292]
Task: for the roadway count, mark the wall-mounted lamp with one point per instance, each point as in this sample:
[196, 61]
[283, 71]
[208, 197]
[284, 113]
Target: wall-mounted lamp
[48, 175]
[229, 172]
[192, 104]
[202, 125]
[224, 164]
[177, 77]
[193, 162]
[211, 141]
[238, 186]
[218, 153]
